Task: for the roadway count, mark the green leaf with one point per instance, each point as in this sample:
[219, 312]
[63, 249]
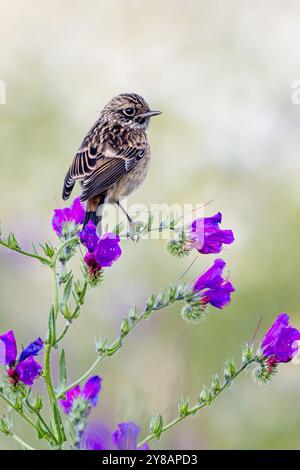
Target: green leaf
[12, 242]
[58, 423]
[67, 289]
[62, 381]
[51, 327]
[41, 432]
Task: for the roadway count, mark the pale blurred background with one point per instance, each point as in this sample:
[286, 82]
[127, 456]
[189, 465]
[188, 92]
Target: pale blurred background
[222, 73]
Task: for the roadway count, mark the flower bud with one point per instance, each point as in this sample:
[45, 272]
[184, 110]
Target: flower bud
[229, 370]
[132, 314]
[125, 327]
[101, 345]
[247, 354]
[193, 312]
[4, 427]
[205, 396]
[38, 404]
[113, 348]
[183, 407]
[156, 425]
[215, 384]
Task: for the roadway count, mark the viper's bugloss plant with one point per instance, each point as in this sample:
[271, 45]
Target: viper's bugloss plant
[62, 417]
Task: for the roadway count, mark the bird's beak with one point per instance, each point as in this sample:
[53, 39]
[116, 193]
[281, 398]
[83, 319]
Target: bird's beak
[150, 114]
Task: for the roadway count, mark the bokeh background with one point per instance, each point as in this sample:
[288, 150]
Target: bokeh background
[222, 73]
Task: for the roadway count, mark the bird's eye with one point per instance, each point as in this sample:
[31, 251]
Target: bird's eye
[129, 111]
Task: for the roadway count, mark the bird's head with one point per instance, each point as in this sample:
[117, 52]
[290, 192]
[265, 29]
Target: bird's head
[130, 110]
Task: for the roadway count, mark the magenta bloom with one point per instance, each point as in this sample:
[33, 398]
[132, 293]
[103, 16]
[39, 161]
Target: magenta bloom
[97, 437]
[280, 342]
[108, 249]
[25, 368]
[206, 236]
[212, 288]
[74, 214]
[126, 437]
[89, 237]
[89, 394]
[102, 252]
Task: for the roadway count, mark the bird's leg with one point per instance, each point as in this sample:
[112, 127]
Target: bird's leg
[132, 225]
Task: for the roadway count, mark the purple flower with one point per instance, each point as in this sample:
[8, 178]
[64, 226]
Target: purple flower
[97, 437]
[89, 237]
[212, 288]
[89, 394]
[280, 342]
[74, 214]
[206, 236]
[108, 249]
[25, 368]
[126, 437]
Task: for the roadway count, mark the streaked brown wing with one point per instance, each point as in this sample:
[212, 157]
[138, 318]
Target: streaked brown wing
[84, 161]
[109, 170]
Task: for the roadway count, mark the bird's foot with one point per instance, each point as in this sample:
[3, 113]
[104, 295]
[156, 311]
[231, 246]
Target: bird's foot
[134, 232]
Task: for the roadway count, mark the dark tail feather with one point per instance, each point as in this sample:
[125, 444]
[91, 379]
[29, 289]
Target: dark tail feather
[91, 215]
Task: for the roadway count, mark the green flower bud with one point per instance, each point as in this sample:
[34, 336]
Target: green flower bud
[205, 396]
[215, 384]
[113, 348]
[247, 354]
[194, 312]
[156, 425]
[125, 327]
[38, 403]
[132, 314]
[229, 370]
[183, 407]
[101, 345]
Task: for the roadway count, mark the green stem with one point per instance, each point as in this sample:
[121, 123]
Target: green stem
[26, 253]
[21, 442]
[38, 414]
[194, 409]
[17, 410]
[113, 348]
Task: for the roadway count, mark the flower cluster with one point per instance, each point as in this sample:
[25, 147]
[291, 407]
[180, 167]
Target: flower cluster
[95, 436]
[102, 251]
[65, 221]
[24, 368]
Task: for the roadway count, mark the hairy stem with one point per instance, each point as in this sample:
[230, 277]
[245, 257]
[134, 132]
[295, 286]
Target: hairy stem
[194, 409]
[25, 253]
[17, 410]
[114, 346]
[20, 441]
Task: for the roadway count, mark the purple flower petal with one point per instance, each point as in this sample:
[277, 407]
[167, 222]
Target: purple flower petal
[32, 349]
[74, 214]
[212, 288]
[89, 237]
[8, 348]
[77, 211]
[71, 395]
[92, 389]
[212, 277]
[207, 237]
[126, 436]
[96, 437]
[107, 250]
[280, 341]
[28, 370]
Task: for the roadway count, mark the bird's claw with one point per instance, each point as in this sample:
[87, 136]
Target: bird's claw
[134, 231]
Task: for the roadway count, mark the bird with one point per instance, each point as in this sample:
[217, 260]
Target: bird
[114, 157]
